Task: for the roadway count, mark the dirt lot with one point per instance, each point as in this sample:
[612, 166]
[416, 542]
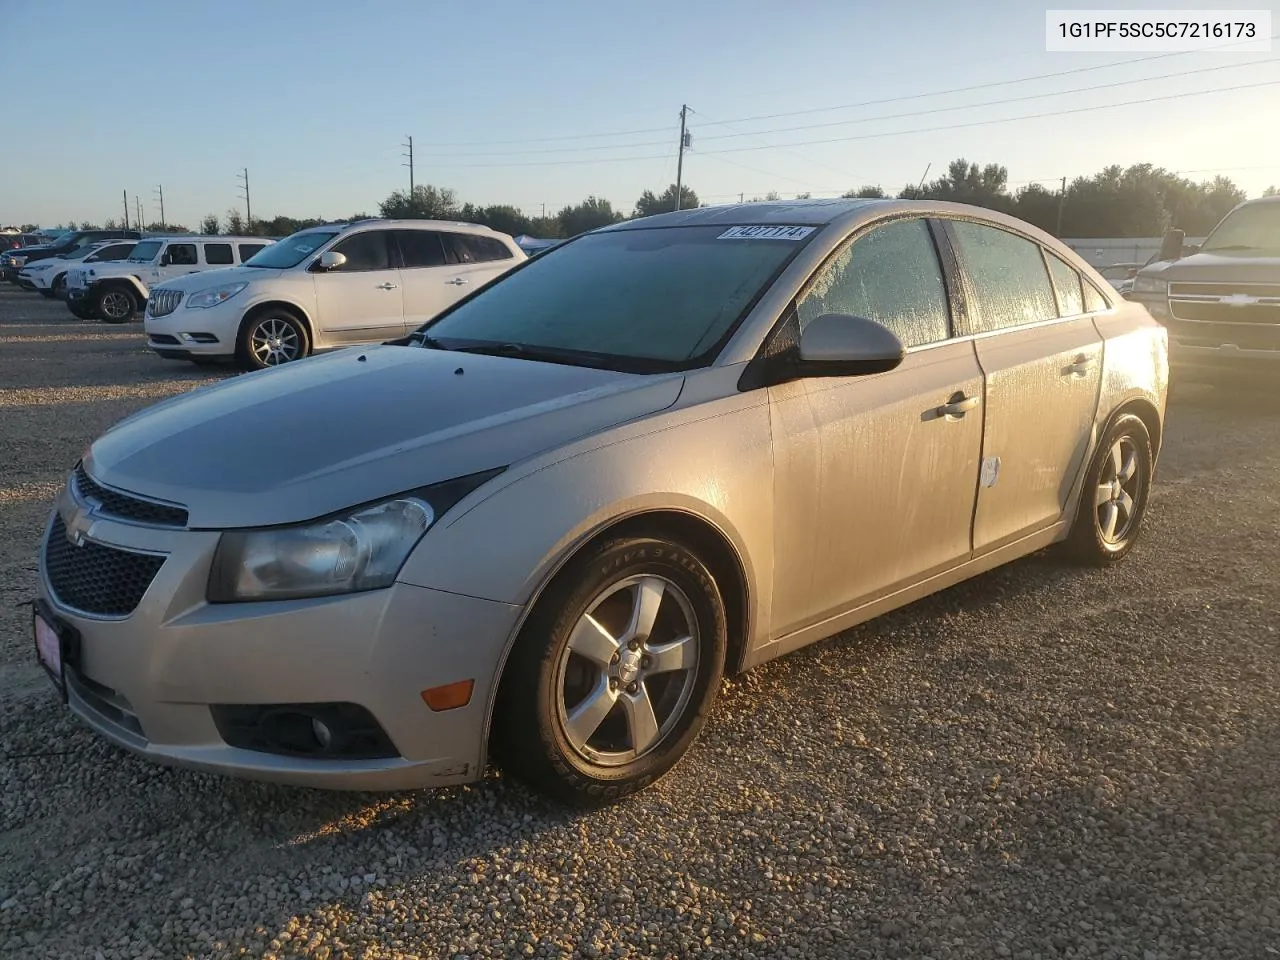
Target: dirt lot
[1044, 762]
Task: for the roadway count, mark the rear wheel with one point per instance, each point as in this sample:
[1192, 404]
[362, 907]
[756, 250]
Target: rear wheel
[117, 304]
[614, 673]
[58, 288]
[1114, 499]
[270, 338]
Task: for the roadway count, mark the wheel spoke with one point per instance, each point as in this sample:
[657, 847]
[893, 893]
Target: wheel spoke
[1117, 459]
[1110, 516]
[586, 717]
[589, 639]
[641, 721]
[679, 654]
[644, 608]
[1103, 495]
[1130, 467]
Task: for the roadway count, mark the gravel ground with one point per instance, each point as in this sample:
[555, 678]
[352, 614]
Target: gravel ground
[1043, 762]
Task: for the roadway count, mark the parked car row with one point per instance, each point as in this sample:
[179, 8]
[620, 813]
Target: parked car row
[13, 260]
[210, 299]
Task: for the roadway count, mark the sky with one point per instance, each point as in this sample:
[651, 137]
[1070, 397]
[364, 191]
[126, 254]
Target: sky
[547, 102]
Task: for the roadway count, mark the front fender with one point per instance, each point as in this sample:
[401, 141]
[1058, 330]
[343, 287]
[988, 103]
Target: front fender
[717, 468]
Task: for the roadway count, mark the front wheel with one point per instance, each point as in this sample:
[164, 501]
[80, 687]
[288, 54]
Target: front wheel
[614, 674]
[271, 338]
[1114, 499]
[79, 311]
[117, 304]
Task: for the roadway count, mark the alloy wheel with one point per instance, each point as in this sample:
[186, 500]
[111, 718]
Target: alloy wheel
[275, 341]
[1116, 496]
[116, 305]
[625, 677]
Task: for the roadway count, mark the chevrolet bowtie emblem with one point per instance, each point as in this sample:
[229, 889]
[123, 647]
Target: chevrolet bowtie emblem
[78, 525]
[1238, 300]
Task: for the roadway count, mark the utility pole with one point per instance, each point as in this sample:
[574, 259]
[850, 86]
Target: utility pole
[920, 185]
[685, 140]
[248, 210]
[160, 191]
[410, 163]
[544, 211]
[137, 207]
[125, 195]
[740, 197]
[1062, 202]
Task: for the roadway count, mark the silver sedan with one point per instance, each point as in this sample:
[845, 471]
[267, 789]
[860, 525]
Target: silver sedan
[543, 527]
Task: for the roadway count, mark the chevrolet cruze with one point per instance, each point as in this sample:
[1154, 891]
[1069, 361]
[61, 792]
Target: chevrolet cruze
[540, 528]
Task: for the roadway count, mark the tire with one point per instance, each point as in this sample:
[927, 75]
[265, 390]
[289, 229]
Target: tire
[571, 707]
[1114, 498]
[80, 312]
[46, 292]
[58, 289]
[275, 325]
[116, 303]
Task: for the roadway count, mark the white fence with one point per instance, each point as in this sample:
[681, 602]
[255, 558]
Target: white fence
[1104, 251]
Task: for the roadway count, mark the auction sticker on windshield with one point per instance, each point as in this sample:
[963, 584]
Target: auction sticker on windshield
[766, 233]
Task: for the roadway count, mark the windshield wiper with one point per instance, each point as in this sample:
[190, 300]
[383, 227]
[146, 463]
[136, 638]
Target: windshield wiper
[423, 339]
[565, 355]
[1231, 246]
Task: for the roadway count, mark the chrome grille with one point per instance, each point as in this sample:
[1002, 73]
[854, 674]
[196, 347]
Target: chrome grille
[94, 578]
[123, 506]
[163, 302]
[1215, 314]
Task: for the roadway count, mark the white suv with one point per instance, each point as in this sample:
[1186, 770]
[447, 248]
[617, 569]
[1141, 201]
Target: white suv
[116, 292]
[330, 286]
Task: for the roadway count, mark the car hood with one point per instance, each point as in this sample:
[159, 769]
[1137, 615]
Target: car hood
[191, 282]
[319, 435]
[1216, 268]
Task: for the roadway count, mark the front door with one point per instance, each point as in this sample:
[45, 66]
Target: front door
[360, 301]
[1042, 358]
[176, 260]
[875, 476]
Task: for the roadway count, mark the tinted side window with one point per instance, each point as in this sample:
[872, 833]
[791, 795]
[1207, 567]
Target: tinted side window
[117, 251]
[1094, 301]
[1067, 284]
[247, 250]
[216, 254]
[421, 248]
[180, 254]
[890, 275]
[469, 248]
[1010, 283]
[364, 251]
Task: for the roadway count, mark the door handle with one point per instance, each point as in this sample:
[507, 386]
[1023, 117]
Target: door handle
[458, 281]
[1080, 367]
[957, 406]
[388, 286]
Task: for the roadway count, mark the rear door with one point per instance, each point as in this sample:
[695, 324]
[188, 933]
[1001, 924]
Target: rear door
[475, 260]
[425, 271]
[361, 300]
[1042, 359]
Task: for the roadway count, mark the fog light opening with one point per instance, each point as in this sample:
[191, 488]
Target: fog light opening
[323, 735]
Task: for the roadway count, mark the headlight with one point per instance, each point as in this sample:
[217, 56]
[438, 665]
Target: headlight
[1150, 285]
[213, 296]
[19, 261]
[362, 549]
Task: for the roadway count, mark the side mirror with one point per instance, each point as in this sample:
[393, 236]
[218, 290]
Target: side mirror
[1191, 249]
[330, 260]
[1171, 245]
[166, 258]
[832, 345]
[839, 345]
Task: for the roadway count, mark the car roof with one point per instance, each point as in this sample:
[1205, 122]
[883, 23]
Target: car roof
[457, 226]
[805, 213]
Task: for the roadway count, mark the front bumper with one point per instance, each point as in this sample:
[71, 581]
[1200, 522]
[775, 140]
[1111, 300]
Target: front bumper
[147, 681]
[1222, 362]
[184, 333]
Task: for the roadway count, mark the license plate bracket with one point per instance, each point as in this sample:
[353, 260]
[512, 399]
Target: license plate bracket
[57, 645]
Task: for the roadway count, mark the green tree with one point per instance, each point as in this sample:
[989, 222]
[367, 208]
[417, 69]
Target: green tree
[209, 225]
[591, 213]
[867, 192]
[426, 203]
[650, 203]
[1036, 204]
[235, 223]
[804, 196]
[1270, 191]
[111, 224]
[545, 228]
[502, 217]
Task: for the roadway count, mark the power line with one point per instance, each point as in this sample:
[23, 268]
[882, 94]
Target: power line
[817, 163]
[890, 116]
[991, 103]
[1025, 116]
[765, 173]
[872, 136]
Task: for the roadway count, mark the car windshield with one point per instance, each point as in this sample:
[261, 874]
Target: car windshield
[1253, 230]
[146, 251]
[290, 251]
[645, 300]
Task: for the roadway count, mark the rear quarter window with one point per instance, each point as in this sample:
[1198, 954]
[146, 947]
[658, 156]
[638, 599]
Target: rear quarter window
[1007, 276]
